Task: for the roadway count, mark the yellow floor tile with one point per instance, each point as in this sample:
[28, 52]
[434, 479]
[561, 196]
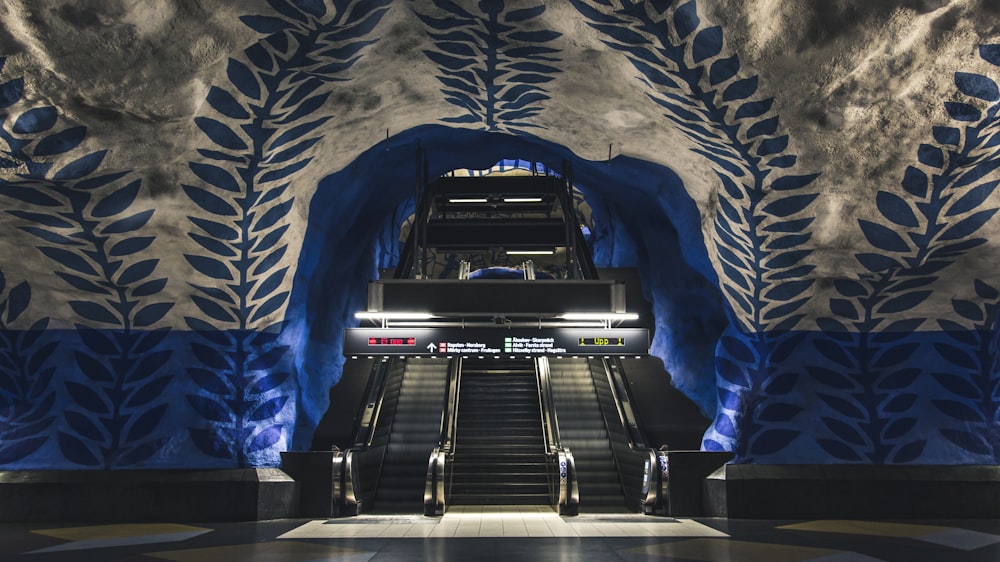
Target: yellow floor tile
[286, 551]
[723, 550]
[870, 528]
[92, 532]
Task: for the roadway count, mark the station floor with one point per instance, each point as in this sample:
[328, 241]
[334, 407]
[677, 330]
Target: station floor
[517, 534]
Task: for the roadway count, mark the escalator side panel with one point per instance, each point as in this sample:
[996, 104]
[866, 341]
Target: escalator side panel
[339, 424]
[369, 461]
[632, 463]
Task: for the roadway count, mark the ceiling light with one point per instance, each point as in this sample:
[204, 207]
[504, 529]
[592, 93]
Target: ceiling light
[530, 252]
[393, 315]
[522, 199]
[600, 316]
[469, 200]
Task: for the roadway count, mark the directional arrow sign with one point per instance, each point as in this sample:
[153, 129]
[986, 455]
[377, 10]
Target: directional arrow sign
[521, 342]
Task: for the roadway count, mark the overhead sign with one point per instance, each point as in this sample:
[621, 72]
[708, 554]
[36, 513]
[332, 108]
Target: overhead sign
[496, 341]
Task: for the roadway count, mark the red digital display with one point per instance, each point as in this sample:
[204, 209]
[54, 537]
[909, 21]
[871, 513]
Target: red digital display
[392, 341]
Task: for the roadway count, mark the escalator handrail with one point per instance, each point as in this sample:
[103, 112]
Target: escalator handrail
[566, 494]
[569, 488]
[653, 496]
[348, 488]
[449, 416]
[367, 418]
[584, 260]
[404, 266]
[565, 196]
[623, 402]
[550, 423]
[435, 488]
[434, 485]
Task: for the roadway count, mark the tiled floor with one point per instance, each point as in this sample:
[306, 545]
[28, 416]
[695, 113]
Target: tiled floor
[517, 534]
[501, 522]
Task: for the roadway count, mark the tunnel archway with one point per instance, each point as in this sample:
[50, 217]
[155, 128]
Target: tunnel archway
[350, 208]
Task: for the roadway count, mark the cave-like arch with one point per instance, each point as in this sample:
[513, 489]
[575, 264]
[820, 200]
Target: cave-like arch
[350, 207]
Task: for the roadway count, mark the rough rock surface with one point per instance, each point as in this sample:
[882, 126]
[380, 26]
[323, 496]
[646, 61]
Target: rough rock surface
[859, 201]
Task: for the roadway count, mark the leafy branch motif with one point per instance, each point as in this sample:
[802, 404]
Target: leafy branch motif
[919, 234]
[490, 66]
[264, 127]
[762, 211]
[972, 381]
[26, 394]
[88, 229]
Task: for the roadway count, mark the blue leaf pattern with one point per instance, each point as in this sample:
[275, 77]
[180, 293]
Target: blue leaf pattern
[758, 196]
[970, 387]
[26, 395]
[491, 70]
[877, 390]
[235, 398]
[269, 127]
[84, 223]
[916, 237]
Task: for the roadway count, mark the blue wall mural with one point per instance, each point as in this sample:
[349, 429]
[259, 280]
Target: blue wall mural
[762, 214]
[873, 390]
[91, 229]
[104, 372]
[867, 402]
[116, 407]
[969, 390]
[270, 109]
[490, 65]
[26, 392]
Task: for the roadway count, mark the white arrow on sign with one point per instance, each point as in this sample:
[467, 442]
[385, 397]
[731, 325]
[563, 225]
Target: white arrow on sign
[431, 347]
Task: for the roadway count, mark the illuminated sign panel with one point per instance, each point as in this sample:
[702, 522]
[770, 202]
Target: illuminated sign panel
[382, 341]
[496, 341]
[602, 341]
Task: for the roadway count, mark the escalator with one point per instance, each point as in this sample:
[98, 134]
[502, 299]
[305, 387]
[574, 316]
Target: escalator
[413, 434]
[495, 430]
[584, 431]
[500, 449]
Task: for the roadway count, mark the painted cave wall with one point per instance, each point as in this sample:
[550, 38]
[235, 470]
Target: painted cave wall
[187, 313]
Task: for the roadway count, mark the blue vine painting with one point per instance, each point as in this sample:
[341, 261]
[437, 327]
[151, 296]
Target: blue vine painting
[114, 359]
[490, 66]
[26, 394]
[88, 225]
[969, 389]
[762, 211]
[267, 119]
[873, 380]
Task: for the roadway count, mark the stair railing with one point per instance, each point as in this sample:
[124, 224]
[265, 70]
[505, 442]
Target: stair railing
[437, 482]
[564, 491]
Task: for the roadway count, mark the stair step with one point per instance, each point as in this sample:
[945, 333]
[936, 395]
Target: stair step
[499, 448]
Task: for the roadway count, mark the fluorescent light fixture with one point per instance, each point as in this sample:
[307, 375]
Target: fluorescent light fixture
[393, 315]
[469, 200]
[530, 252]
[522, 199]
[600, 316]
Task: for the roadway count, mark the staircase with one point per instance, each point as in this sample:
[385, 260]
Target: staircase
[499, 448]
